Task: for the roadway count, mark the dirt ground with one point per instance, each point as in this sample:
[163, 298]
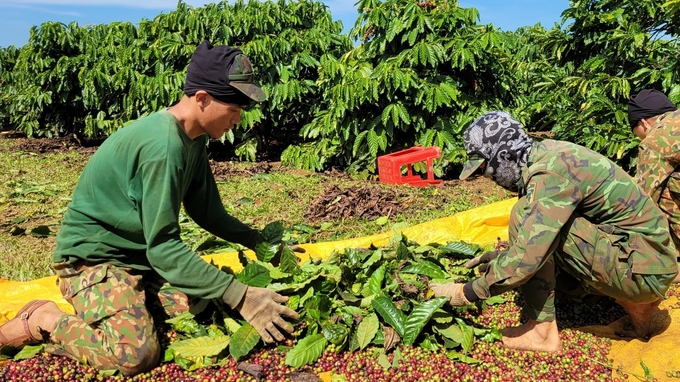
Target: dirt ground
[368, 200]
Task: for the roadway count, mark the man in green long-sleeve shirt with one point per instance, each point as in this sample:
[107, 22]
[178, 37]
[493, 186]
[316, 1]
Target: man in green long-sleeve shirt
[579, 216]
[119, 248]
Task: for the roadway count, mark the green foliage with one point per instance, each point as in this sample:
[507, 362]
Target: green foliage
[92, 80]
[29, 351]
[306, 351]
[341, 302]
[576, 82]
[421, 75]
[243, 341]
[205, 346]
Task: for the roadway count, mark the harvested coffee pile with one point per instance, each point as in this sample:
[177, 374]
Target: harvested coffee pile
[367, 202]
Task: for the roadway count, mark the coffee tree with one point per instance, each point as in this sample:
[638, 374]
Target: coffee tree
[423, 72]
[580, 77]
[8, 57]
[92, 80]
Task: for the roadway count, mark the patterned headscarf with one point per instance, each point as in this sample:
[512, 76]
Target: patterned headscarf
[500, 141]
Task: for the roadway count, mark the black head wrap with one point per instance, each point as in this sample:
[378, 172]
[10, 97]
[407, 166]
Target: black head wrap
[499, 140]
[223, 72]
[648, 103]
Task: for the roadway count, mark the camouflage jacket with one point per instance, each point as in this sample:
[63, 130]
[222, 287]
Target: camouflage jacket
[658, 168]
[561, 181]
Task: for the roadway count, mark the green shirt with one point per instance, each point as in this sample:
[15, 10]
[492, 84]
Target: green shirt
[563, 180]
[125, 208]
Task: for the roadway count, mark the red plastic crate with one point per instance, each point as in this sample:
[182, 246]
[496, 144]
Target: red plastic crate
[389, 166]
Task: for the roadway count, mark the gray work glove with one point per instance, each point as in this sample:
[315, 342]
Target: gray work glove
[454, 291]
[262, 309]
[482, 261]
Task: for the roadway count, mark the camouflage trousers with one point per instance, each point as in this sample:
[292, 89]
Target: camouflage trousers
[112, 328]
[585, 261]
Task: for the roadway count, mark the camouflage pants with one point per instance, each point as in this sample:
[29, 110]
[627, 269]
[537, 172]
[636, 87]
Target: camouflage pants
[112, 328]
[586, 254]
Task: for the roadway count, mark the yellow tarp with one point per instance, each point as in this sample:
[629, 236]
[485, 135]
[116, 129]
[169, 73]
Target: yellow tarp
[482, 226]
[660, 354]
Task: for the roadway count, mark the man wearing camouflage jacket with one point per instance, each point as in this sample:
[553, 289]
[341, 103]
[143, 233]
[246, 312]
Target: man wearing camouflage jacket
[656, 121]
[578, 213]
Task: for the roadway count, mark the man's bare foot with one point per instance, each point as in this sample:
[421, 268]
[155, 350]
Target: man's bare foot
[640, 318]
[533, 335]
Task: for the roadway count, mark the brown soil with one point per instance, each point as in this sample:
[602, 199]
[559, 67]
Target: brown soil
[368, 201]
[479, 188]
[223, 170]
[56, 145]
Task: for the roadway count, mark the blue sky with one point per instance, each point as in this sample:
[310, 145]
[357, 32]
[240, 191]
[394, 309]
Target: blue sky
[17, 16]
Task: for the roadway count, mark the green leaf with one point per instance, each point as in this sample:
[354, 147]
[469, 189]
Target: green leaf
[277, 274]
[488, 335]
[648, 373]
[374, 258]
[244, 201]
[382, 220]
[397, 357]
[453, 333]
[468, 336]
[495, 300]
[376, 280]
[184, 323]
[243, 341]
[289, 262]
[426, 268]
[293, 302]
[41, 231]
[200, 346]
[403, 252]
[455, 356]
[390, 313]
[307, 350]
[255, 275]
[231, 325]
[373, 142]
[336, 333]
[367, 329]
[265, 251]
[419, 317]
[460, 247]
[318, 307]
[383, 361]
[29, 351]
[273, 232]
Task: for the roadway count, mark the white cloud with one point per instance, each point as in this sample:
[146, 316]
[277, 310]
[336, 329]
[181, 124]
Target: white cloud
[41, 9]
[336, 6]
[151, 4]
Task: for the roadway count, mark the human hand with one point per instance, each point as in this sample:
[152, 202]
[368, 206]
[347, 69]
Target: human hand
[482, 261]
[262, 309]
[454, 291]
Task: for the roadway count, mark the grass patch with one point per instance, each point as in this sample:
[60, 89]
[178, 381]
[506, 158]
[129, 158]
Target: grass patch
[36, 188]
